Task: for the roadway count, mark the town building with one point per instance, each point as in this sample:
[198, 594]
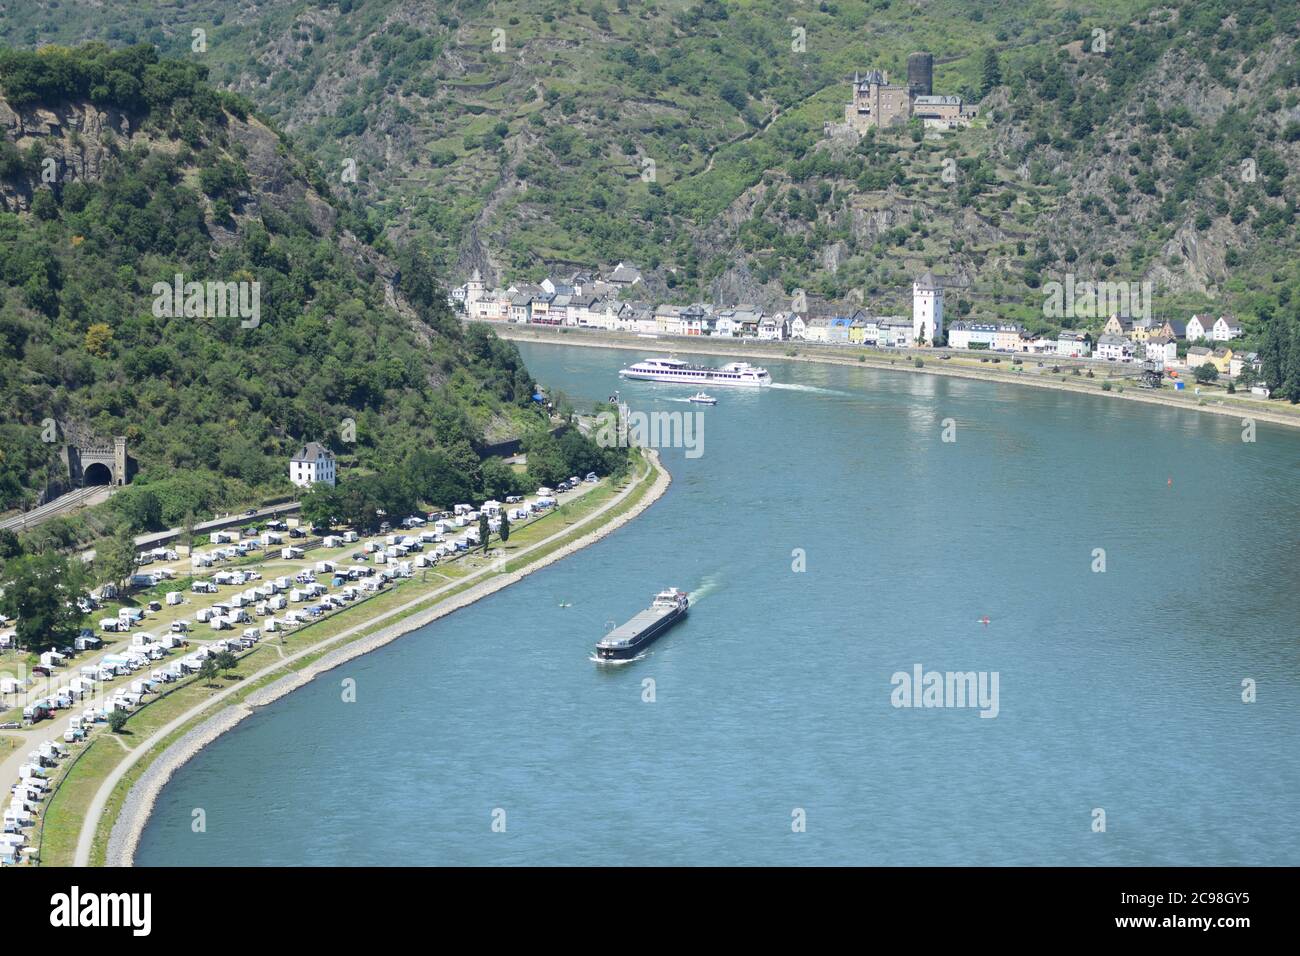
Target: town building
[1114, 348]
[1006, 338]
[1245, 362]
[1226, 328]
[1073, 344]
[774, 328]
[1114, 326]
[963, 334]
[668, 320]
[1198, 328]
[817, 328]
[624, 276]
[896, 332]
[1162, 349]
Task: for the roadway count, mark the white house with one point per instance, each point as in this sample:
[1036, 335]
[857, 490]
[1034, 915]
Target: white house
[965, 335]
[1114, 348]
[1073, 344]
[798, 326]
[313, 463]
[773, 328]
[1225, 329]
[639, 319]
[725, 324]
[1196, 328]
[817, 328]
[1162, 349]
[927, 310]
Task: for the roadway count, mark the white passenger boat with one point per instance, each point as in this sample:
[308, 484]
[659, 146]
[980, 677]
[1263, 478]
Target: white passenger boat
[738, 374]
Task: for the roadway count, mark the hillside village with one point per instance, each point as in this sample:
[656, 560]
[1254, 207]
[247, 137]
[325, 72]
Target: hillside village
[609, 302]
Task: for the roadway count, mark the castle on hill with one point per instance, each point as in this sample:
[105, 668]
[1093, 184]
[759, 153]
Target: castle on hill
[877, 102]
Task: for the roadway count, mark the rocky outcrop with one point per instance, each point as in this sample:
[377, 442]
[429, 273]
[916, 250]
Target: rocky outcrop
[76, 140]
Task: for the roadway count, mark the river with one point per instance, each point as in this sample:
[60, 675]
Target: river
[831, 539]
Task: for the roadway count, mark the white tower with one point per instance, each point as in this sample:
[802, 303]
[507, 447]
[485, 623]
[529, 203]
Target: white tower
[927, 310]
[473, 290]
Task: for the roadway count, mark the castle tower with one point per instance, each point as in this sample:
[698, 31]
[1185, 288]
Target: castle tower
[120, 476]
[473, 289]
[927, 310]
[920, 74]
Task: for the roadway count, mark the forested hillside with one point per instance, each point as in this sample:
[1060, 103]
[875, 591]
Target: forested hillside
[119, 170]
[1118, 140]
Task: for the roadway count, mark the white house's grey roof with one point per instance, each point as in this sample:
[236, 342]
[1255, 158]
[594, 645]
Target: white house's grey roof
[312, 451]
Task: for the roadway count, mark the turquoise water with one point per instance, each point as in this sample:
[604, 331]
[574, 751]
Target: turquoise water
[1118, 690]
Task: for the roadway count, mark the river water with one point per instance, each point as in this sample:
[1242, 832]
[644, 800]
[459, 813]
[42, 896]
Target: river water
[831, 539]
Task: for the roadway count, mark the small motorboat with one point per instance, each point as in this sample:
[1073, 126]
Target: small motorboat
[703, 398]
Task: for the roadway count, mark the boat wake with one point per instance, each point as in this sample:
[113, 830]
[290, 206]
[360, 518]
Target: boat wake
[815, 389]
[710, 584]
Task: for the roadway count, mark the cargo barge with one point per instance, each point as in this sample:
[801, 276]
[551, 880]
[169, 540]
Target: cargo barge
[628, 640]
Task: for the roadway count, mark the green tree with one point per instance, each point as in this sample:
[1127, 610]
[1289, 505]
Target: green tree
[41, 593]
[505, 527]
[10, 546]
[117, 720]
[1206, 373]
[44, 205]
[226, 661]
[991, 72]
[141, 507]
[499, 479]
[484, 531]
[117, 559]
[208, 670]
[546, 461]
[1274, 353]
[1291, 380]
[321, 505]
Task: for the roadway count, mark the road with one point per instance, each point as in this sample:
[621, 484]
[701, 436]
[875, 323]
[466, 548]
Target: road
[156, 538]
[86, 839]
